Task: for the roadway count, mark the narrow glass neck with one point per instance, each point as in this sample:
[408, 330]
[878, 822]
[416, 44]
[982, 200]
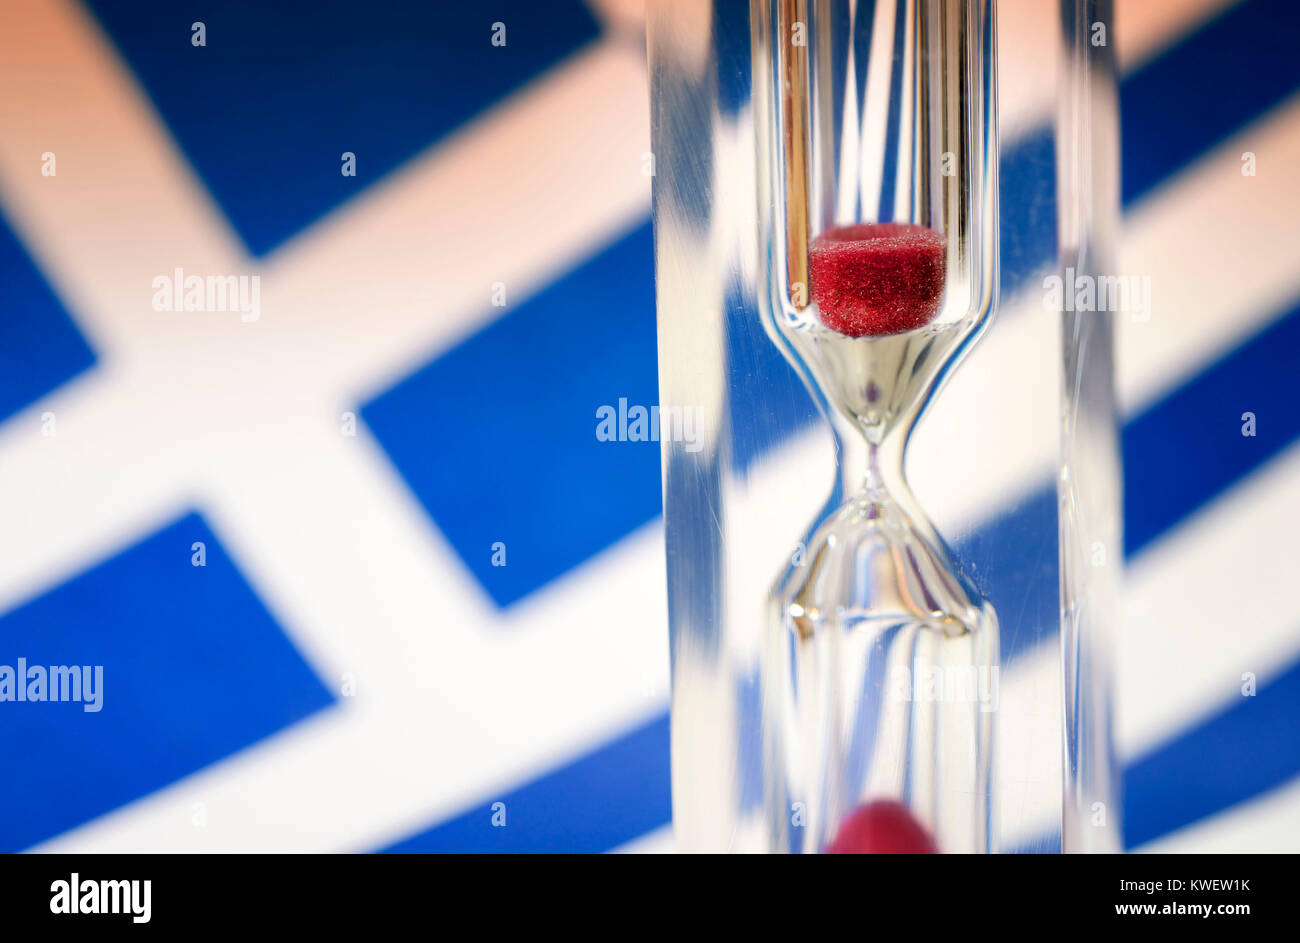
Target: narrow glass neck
[870, 462]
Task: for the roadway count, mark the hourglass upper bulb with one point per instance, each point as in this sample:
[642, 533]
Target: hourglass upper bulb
[875, 279]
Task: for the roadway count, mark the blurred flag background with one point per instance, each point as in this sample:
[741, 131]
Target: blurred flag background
[358, 570]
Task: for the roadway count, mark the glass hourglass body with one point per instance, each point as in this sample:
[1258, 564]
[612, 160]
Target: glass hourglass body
[877, 204]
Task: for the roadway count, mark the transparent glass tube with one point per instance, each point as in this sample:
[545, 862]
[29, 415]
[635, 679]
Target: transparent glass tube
[1088, 488]
[875, 125]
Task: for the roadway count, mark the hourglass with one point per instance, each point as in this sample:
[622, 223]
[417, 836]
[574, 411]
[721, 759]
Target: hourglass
[876, 134]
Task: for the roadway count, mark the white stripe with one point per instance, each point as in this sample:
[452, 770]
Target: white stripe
[1203, 607]
[1266, 825]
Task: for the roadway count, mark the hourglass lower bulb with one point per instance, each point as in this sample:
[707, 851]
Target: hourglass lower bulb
[878, 648]
[881, 828]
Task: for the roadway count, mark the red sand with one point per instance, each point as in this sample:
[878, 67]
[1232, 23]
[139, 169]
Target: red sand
[883, 827]
[874, 279]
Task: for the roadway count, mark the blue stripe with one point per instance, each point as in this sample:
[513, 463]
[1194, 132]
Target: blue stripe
[194, 670]
[603, 800]
[266, 109]
[1198, 92]
[1254, 746]
[1048, 843]
[1185, 450]
[497, 438]
[1027, 210]
[1012, 558]
[40, 346]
